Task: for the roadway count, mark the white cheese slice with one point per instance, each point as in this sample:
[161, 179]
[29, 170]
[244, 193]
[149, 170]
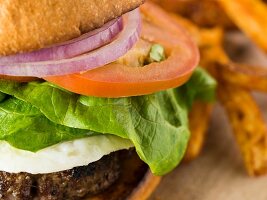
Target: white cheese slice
[60, 157]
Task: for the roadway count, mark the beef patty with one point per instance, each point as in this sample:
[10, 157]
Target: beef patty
[68, 185]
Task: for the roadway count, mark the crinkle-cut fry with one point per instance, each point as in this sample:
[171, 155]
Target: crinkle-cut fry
[250, 77]
[250, 16]
[248, 126]
[198, 128]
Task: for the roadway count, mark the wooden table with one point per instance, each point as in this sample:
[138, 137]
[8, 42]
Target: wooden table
[218, 174]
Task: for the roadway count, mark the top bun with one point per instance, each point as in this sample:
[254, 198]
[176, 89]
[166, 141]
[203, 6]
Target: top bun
[27, 25]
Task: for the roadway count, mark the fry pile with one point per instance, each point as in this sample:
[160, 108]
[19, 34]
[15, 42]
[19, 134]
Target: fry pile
[235, 81]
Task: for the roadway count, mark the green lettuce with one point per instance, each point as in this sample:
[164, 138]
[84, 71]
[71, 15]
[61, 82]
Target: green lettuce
[38, 114]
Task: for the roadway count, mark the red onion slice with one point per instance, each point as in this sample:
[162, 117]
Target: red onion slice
[85, 43]
[91, 60]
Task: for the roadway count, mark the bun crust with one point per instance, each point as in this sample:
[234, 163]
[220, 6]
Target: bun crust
[29, 24]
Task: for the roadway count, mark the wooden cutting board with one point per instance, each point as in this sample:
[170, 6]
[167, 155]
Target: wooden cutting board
[218, 174]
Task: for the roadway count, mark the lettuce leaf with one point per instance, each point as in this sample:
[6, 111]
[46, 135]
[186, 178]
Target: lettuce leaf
[25, 127]
[201, 87]
[38, 114]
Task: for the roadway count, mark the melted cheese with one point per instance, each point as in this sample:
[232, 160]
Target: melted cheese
[59, 157]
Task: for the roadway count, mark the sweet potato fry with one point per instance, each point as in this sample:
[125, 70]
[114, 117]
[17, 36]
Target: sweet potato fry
[250, 77]
[210, 46]
[198, 128]
[248, 126]
[250, 16]
[204, 13]
[209, 40]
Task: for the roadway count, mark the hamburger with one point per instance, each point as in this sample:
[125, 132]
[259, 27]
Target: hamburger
[93, 94]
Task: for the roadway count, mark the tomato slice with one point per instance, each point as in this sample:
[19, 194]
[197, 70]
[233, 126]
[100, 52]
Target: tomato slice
[118, 80]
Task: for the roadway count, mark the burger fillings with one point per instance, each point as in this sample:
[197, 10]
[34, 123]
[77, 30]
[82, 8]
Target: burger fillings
[70, 120]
